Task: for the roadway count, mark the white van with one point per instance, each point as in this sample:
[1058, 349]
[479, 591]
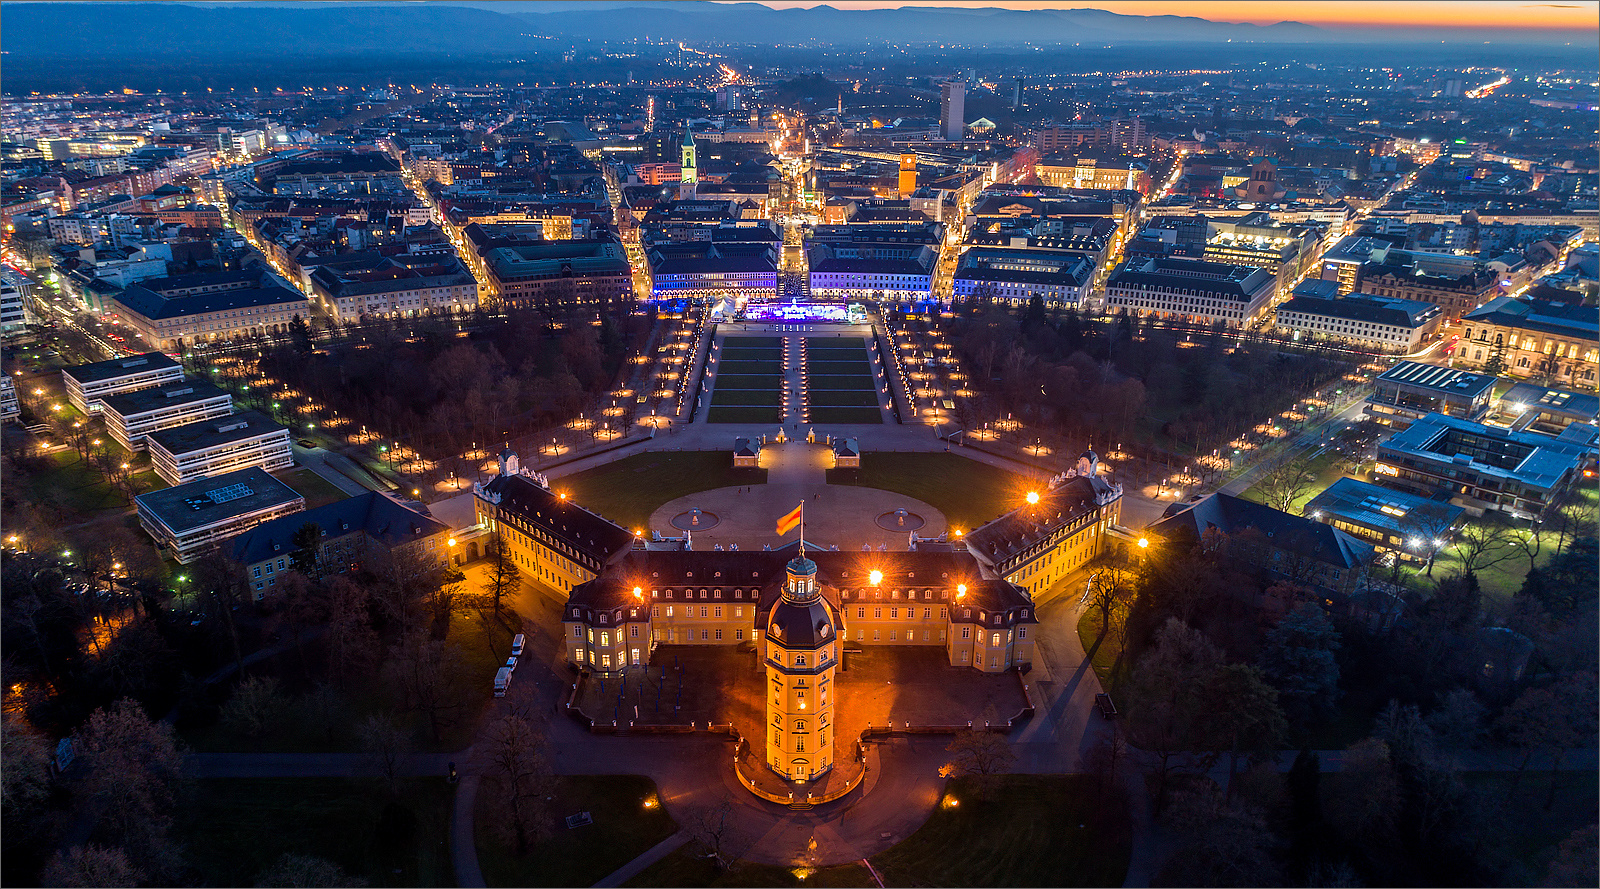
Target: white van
[502, 680]
[516, 646]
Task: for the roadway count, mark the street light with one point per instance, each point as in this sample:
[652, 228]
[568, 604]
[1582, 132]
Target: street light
[961, 591]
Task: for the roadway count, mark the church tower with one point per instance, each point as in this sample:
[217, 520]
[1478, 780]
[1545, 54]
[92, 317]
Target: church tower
[802, 651]
[691, 175]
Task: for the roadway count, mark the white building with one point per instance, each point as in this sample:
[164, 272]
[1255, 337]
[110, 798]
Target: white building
[1018, 274]
[1376, 322]
[88, 384]
[14, 313]
[847, 277]
[9, 406]
[213, 447]
[952, 110]
[133, 415]
[187, 520]
[1191, 290]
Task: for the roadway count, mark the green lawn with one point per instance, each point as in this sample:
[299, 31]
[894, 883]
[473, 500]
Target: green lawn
[1032, 830]
[623, 829]
[745, 397]
[743, 414]
[839, 367]
[726, 366]
[752, 342]
[234, 829]
[1500, 581]
[845, 415]
[628, 490]
[686, 867]
[843, 397]
[1327, 470]
[1104, 655]
[837, 381]
[969, 493]
[78, 487]
[768, 382]
[317, 490]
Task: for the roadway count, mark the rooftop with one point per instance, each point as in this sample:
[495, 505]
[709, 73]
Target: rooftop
[157, 397]
[377, 515]
[211, 501]
[1431, 377]
[120, 367]
[211, 433]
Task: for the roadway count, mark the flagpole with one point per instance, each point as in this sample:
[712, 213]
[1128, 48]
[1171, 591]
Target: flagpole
[802, 529]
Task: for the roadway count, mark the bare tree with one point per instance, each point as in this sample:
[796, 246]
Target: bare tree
[1483, 544]
[429, 677]
[385, 744]
[350, 641]
[501, 577]
[981, 754]
[716, 829]
[91, 866]
[520, 763]
[255, 707]
[306, 872]
[135, 767]
[1284, 479]
[1110, 590]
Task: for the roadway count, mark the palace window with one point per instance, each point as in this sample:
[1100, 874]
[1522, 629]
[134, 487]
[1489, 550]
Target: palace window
[966, 632]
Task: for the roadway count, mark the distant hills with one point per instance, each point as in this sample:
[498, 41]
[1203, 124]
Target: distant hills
[228, 30]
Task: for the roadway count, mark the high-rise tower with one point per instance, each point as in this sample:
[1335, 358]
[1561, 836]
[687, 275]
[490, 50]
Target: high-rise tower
[908, 174]
[802, 651]
[952, 110]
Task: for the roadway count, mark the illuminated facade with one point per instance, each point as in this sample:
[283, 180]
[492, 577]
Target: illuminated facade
[801, 651]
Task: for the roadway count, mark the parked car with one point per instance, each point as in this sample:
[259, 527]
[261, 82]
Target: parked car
[516, 645]
[511, 663]
[1102, 702]
[502, 681]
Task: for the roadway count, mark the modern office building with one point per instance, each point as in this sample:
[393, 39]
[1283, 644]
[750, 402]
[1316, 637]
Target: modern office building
[133, 415]
[1406, 524]
[952, 110]
[88, 384]
[212, 447]
[1411, 390]
[352, 533]
[10, 407]
[189, 520]
[1191, 290]
[1526, 407]
[1482, 467]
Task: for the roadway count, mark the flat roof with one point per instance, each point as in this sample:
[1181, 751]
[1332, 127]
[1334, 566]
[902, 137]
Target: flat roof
[211, 501]
[156, 397]
[1364, 503]
[1439, 379]
[1577, 405]
[120, 367]
[205, 434]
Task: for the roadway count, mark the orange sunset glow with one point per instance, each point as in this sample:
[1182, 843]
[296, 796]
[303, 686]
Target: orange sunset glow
[1579, 15]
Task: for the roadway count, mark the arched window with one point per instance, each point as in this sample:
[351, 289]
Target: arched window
[799, 725]
[799, 660]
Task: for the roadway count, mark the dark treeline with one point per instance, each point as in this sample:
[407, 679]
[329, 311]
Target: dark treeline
[1117, 378]
[424, 383]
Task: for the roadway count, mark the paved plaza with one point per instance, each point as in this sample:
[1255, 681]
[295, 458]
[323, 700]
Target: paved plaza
[836, 515]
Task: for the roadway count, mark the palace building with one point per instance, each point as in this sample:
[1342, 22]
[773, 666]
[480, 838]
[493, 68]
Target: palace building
[625, 596]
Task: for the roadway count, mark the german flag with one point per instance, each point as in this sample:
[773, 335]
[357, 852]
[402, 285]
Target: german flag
[788, 522]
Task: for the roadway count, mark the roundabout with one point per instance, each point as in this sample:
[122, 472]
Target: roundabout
[695, 519]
